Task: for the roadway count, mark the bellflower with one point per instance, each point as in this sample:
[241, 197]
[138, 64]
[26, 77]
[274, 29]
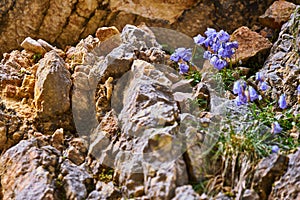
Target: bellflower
[223, 36]
[252, 94]
[241, 99]
[210, 32]
[218, 45]
[237, 88]
[298, 89]
[207, 55]
[183, 68]
[263, 86]
[276, 128]
[275, 149]
[199, 39]
[259, 76]
[181, 53]
[282, 102]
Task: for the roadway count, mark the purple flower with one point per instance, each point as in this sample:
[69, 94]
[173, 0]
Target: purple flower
[237, 88]
[298, 89]
[181, 53]
[259, 76]
[183, 68]
[276, 128]
[210, 32]
[223, 36]
[199, 39]
[252, 94]
[233, 45]
[174, 57]
[275, 149]
[209, 41]
[241, 99]
[263, 86]
[218, 62]
[282, 102]
[207, 55]
[225, 51]
[215, 46]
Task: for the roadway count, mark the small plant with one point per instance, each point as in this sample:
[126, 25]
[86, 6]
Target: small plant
[36, 57]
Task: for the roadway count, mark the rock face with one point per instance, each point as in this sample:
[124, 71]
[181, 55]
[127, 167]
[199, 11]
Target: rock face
[30, 165]
[52, 88]
[65, 22]
[281, 68]
[287, 187]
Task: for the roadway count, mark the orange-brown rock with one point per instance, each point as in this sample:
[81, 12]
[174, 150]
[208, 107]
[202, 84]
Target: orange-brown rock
[251, 45]
[277, 14]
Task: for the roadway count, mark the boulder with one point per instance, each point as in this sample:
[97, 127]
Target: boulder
[52, 87]
[32, 166]
[277, 14]
[252, 46]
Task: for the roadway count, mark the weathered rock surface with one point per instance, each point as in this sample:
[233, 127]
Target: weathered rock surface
[252, 46]
[288, 186]
[281, 68]
[52, 88]
[277, 14]
[186, 192]
[267, 172]
[65, 22]
[28, 171]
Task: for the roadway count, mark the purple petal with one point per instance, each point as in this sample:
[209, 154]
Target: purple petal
[275, 149]
[282, 102]
[199, 39]
[276, 128]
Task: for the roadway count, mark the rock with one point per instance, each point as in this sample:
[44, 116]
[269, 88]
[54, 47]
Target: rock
[282, 65]
[64, 23]
[104, 33]
[186, 192]
[27, 88]
[252, 46]
[287, 187]
[105, 191]
[77, 151]
[163, 10]
[148, 118]
[268, 171]
[46, 45]
[141, 38]
[30, 44]
[31, 165]
[76, 181]
[52, 87]
[13, 123]
[277, 14]
[57, 139]
[250, 195]
[13, 68]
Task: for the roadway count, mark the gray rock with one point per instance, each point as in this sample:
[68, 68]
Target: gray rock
[150, 162]
[105, 191]
[75, 180]
[186, 192]
[282, 66]
[268, 171]
[31, 165]
[52, 88]
[30, 44]
[287, 187]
